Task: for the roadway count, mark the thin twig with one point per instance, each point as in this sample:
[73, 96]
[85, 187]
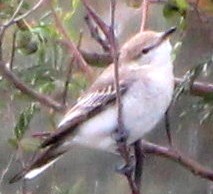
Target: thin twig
[5, 170]
[120, 131]
[43, 99]
[13, 51]
[69, 74]
[145, 5]
[95, 34]
[77, 55]
[114, 54]
[16, 12]
[26, 14]
[101, 24]
[13, 20]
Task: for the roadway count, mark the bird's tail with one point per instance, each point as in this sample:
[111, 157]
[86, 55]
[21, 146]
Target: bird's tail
[41, 162]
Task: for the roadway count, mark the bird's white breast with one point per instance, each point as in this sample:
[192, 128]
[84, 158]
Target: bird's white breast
[144, 105]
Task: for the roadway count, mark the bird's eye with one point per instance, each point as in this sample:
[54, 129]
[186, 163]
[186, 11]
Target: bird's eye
[145, 50]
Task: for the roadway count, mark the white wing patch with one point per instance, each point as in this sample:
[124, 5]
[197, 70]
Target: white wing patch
[35, 172]
[69, 116]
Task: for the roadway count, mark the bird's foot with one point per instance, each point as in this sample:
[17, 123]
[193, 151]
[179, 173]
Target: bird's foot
[126, 169]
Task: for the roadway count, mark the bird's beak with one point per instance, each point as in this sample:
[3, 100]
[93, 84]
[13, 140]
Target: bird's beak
[168, 33]
[161, 39]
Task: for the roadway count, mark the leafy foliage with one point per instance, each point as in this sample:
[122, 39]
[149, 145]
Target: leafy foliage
[173, 7]
[24, 121]
[189, 78]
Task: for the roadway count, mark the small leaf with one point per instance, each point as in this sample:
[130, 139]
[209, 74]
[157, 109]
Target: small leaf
[24, 121]
[26, 5]
[75, 4]
[169, 10]
[182, 4]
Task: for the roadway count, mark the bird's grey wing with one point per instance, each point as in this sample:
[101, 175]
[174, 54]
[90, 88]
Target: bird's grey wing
[87, 106]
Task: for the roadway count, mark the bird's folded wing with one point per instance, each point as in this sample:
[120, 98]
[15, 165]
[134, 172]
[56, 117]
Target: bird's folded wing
[90, 104]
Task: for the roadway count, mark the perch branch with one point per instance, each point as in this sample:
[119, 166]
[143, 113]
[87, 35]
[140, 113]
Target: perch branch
[178, 157]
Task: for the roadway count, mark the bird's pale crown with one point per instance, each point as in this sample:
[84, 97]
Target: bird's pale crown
[147, 47]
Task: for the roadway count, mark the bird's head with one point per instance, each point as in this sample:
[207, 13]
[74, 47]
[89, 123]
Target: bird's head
[147, 47]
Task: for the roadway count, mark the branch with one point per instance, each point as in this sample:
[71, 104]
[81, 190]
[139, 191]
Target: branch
[104, 59]
[120, 132]
[43, 99]
[69, 74]
[178, 157]
[200, 89]
[21, 17]
[67, 41]
[13, 50]
[145, 7]
[95, 34]
[101, 24]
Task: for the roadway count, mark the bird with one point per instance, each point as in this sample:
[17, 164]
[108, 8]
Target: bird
[146, 86]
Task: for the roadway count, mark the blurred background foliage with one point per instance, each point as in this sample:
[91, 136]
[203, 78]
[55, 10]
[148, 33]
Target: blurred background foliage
[41, 61]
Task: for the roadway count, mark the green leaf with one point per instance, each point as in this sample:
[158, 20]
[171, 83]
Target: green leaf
[182, 4]
[75, 4]
[169, 10]
[24, 121]
[175, 7]
[26, 5]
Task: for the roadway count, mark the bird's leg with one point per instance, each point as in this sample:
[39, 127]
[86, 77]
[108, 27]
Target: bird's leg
[139, 161]
[128, 171]
[128, 168]
[167, 126]
[121, 137]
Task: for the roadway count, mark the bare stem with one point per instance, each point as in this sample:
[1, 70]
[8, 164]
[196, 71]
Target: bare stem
[145, 7]
[95, 34]
[178, 157]
[73, 49]
[13, 51]
[26, 14]
[69, 74]
[120, 132]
